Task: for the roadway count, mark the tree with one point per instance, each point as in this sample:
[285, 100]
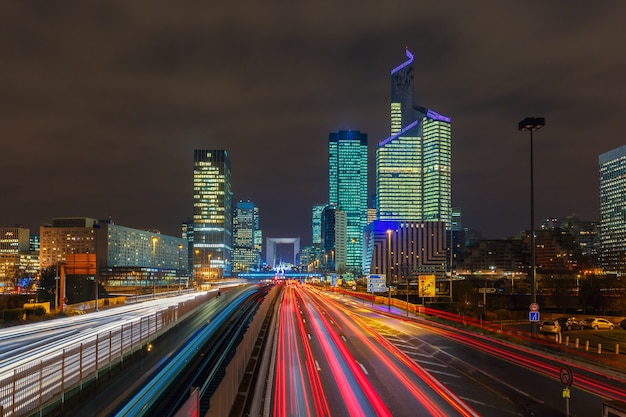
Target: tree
[47, 284]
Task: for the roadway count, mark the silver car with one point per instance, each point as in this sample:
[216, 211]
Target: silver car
[550, 326]
[596, 323]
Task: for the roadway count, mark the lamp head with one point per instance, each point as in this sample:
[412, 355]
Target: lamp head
[532, 123]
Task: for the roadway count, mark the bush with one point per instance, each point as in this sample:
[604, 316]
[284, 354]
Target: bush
[13, 314]
[503, 314]
[38, 311]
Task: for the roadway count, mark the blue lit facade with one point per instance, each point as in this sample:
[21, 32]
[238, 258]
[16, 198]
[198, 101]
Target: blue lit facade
[212, 215]
[347, 189]
[612, 167]
[405, 250]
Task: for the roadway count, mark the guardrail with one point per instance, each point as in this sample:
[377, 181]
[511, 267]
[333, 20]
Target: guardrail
[36, 385]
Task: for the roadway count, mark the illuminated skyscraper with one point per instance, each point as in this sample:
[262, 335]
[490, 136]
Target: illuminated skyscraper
[347, 189]
[316, 223]
[247, 239]
[212, 215]
[334, 226]
[612, 166]
[413, 165]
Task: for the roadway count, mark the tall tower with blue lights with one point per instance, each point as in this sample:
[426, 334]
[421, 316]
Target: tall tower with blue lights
[347, 188]
[413, 165]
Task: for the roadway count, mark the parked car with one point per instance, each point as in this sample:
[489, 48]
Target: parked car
[596, 323]
[550, 326]
[622, 324]
[569, 323]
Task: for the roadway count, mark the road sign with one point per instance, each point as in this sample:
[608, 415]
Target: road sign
[533, 315]
[376, 283]
[534, 307]
[486, 290]
[567, 376]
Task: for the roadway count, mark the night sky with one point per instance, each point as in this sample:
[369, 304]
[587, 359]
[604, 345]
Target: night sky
[103, 102]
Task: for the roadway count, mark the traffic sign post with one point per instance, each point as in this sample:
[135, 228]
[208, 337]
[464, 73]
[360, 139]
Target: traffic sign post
[567, 378]
[376, 283]
[533, 317]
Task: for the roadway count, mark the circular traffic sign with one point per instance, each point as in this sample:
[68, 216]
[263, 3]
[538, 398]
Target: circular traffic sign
[566, 376]
[534, 307]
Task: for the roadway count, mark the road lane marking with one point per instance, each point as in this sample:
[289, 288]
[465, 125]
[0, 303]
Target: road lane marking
[362, 368]
[434, 371]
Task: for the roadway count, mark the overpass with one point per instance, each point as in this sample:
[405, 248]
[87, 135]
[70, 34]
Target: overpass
[260, 275]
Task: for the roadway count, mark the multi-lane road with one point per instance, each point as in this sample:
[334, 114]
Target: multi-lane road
[339, 356]
[40, 362]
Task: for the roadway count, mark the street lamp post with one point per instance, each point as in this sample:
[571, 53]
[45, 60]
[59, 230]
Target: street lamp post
[154, 242]
[209, 270]
[531, 124]
[180, 272]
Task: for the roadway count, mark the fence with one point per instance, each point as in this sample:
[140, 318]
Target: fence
[35, 385]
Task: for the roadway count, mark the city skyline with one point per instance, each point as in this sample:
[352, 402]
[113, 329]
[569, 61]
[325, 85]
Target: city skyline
[104, 104]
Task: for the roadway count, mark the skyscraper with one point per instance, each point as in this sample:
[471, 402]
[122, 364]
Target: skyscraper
[246, 248]
[347, 188]
[612, 167]
[413, 165]
[334, 227]
[316, 223]
[212, 214]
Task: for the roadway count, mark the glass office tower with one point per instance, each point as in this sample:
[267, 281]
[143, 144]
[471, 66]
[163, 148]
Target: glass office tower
[612, 167]
[347, 189]
[212, 215]
[316, 223]
[413, 165]
[399, 177]
[436, 166]
[246, 249]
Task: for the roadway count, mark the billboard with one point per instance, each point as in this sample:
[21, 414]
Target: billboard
[426, 285]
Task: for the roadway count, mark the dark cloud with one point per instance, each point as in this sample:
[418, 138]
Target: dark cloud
[104, 102]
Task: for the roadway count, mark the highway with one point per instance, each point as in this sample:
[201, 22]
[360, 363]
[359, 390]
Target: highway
[329, 364]
[39, 362]
[334, 356]
[416, 367]
[23, 344]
